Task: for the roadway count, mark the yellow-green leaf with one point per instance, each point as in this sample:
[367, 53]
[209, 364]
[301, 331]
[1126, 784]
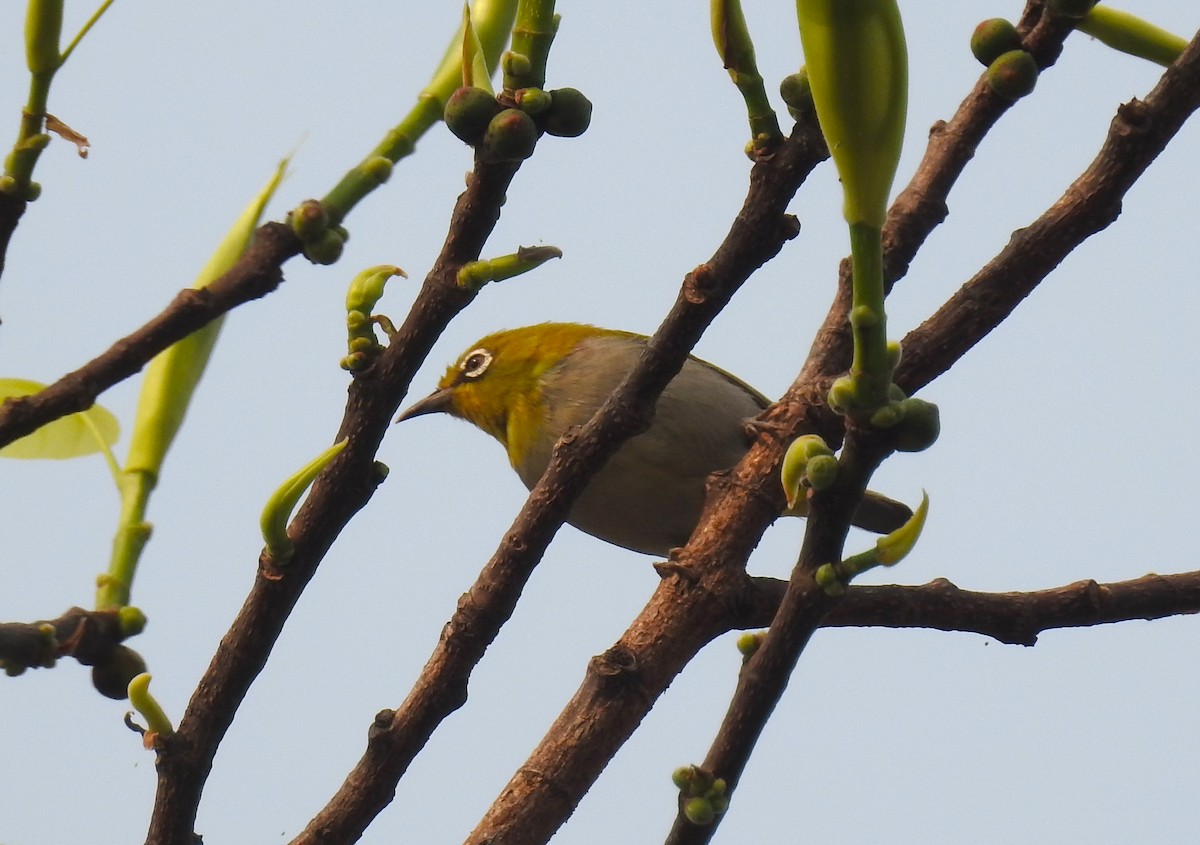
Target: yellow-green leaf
[84, 433]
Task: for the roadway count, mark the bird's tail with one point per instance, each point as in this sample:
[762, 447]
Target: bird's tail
[880, 514]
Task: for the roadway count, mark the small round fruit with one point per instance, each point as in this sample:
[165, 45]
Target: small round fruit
[993, 38]
[510, 136]
[570, 113]
[1012, 75]
[468, 112]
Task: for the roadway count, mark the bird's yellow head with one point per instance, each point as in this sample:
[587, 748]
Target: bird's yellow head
[497, 384]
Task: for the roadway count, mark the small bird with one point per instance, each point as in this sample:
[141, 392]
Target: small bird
[527, 386]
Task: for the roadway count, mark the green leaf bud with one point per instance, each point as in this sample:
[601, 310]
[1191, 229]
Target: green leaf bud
[720, 803]
[112, 675]
[894, 354]
[796, 91]
[511, 136]
[131, 621]
[829, 581]
[570, 113]
[326, 249]
[891, 414]
[682, 777]
[821, 472]
[699, 811]
[748, 642]
[921, 425]
[532, 101]
[9, 185]
[863, 317]
[795, 464]
[1012, 75]
[468, 112]
[309, 220]
[33, 191]
[378, 168]
[515, 64]
[1071, 8]
[843, 395]
[992, 38]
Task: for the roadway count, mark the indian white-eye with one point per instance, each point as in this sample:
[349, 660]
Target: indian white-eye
[526, 386]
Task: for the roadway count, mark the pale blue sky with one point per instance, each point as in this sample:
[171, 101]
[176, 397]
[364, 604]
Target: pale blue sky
[1067, 449]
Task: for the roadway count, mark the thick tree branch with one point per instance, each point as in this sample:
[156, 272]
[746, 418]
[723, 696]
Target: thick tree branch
[256, 274]
[87, 635]
[341, 491]
[1014, 618]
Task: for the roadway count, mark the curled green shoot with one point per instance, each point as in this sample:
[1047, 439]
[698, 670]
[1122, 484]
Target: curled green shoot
[279, 507]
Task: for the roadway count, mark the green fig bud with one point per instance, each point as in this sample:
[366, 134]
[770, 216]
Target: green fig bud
[1071, 8]
[843, 395]
[748, 643]
[309, 220]
[34, 191]
[699, 811]
[821, 472]
[1012, 75]
[131, 621]
[515, 64]
[326, 249]
[920, 427]
[891, 414]
[570, 113]
[992, 38]
[378, 168]
[468, 112]
[532, 101]
[511, 136]
[796, 91]
[682, 777]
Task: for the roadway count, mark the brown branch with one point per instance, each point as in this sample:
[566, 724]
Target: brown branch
[1015, 618]
[86, 635]
[1139, 133]
[256, 274]
[185, 758]
[757, 234]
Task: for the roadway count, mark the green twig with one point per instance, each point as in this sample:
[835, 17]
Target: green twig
[1130, 34]
[532, 36]
[492, 21]
[84, 31]
[732, 39]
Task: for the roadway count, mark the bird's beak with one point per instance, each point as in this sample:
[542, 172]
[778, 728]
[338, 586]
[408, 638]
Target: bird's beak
[435, 403]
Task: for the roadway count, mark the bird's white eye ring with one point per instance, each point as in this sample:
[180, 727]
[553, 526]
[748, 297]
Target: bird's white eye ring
[475, 363]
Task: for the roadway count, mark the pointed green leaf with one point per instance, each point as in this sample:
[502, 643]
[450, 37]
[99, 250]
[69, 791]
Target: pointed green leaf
[84, 433]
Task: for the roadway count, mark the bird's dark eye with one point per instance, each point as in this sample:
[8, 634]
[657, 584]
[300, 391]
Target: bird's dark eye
[475, 363]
